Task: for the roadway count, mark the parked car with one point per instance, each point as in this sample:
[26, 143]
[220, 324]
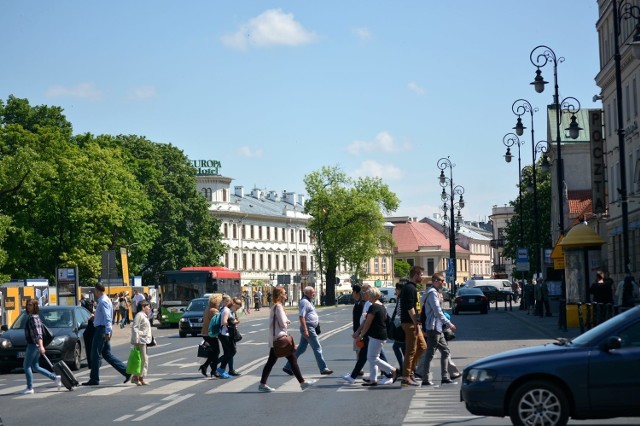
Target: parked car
[345, 299]
[494, 293]
[388, 295]
[594, 376]
[193, 317]
[470, 300]
[67, 325]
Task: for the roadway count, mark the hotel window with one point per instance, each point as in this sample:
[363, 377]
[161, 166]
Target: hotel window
[225, 230]
[293, 261]
[235, 261]
[259, 232]
[292, 236]
[243, 231]
[244, 262]
[226, 260]
[251, 230]
[253, 262]
[235, 231]
[262, 262]
[284, 262]
[277, 256]
[268, 232]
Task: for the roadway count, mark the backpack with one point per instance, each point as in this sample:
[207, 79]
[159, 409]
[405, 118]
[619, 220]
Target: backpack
[214, 325]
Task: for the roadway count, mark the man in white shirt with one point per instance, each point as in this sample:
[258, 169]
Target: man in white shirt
[137, 298]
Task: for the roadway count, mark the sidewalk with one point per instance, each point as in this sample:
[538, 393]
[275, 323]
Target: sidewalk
[547, 325]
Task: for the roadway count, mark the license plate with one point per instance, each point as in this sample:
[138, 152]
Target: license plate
[197, 324]
[472, 300]
[20, 355]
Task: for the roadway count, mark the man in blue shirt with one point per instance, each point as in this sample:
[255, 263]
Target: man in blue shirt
[101, 345]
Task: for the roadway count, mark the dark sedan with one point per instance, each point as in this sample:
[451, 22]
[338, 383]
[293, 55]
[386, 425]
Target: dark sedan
[495, 294]
[191, 321]
[470, 300]
[345, 299]
[66, 323]
[594, 376]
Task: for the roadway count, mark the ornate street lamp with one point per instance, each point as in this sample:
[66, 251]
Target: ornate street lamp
[625, 11]
[509, 140]
[540, 56]
[451, 222]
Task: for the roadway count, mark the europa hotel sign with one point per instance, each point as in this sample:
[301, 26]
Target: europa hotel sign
[206, 167]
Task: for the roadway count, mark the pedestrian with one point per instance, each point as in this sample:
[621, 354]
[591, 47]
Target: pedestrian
[358, 305]
[256, 300]
[414, 339]
[125, 304]
[35, 347]
[399, 346]
[246, 300]
[537, 292]
[214, 343]
[544, 290]
[269, 299]
[136, 300]
[627, 293]
[116, 309]
[601, 291]
[375, 328]
[140, 338]
[101, 344]
[435, 320]
[228, 308]
[279, 326]
[309, 324]
[529, 292]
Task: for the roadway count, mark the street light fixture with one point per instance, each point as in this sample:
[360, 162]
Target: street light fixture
[509, 140]
[540, 56]
[451, 222]
[625, 11]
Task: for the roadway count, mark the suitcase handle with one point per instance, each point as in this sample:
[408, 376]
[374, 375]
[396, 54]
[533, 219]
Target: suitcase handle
[47, 359]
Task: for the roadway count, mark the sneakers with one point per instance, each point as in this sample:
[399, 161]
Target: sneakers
[426, 383]
[326, 372]
[265, 388]
[386, 381]
[288, 371]
[455, 376]
[233, 373]
[347, 378]
[370, 384]
[306, 384]
[27, 392]
[223, 374]
[448, 382]
[58, 381]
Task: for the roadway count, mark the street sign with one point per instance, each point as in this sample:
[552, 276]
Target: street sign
[522, 259]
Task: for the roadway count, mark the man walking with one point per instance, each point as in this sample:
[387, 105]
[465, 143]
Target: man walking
[101, 345]
[434, 324]
[308, 334]
[414, 340]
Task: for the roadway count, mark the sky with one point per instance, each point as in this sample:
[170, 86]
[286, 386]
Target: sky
[277, 90]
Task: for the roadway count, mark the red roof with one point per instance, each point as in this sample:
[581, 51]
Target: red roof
[580, 205]
[410, 236]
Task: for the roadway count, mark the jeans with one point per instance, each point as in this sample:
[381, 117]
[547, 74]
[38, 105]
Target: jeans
[214, 353]
[229, 348]
[315, 345]
[102, 349]
[436, 340]
[30, 364]
[415, 347]
[399, 349]
[373, 356]
[362, 358]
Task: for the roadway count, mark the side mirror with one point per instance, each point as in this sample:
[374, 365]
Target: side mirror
[614, 342]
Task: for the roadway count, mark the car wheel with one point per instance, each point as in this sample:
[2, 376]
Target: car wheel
[539, 402]
[182, 334]
[77, 358]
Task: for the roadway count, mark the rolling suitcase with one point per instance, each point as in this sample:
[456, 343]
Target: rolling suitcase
[61, 369]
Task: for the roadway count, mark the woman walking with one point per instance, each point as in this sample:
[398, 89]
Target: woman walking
[214, 344]
[279, 326]
[228, 321]
[140, 337]
[35, 348]
[375, 327]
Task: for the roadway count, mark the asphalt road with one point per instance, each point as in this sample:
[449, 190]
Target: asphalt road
[179, 394]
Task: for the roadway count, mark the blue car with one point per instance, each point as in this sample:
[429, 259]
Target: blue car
[594, 376]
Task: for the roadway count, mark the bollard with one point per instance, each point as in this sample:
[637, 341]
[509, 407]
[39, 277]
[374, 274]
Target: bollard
[589, 315]
[580, 319]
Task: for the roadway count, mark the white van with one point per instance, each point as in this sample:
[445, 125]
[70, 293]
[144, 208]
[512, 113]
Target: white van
[500, 284]
[389, 294]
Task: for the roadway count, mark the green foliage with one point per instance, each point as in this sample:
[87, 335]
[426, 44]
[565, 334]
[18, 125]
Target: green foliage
[347, 220]
[401, 268]
[543, 206]
[65, 199]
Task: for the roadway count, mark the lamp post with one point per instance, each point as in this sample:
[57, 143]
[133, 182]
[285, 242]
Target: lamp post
[453, 226]
[625, 11]
[509, 140]
[540, 56]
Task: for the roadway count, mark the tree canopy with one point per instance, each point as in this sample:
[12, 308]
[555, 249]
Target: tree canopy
[347, 220]
[65, 199]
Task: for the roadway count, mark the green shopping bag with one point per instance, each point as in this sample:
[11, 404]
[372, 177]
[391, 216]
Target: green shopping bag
[134, 364]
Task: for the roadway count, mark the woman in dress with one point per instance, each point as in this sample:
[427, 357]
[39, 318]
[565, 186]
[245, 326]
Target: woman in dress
[279, 326]
[214, 343]
[140, 337]
[35, 348]
[375, 327]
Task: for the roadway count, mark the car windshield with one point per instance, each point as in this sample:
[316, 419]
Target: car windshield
[469, 291]
[197, 305]
[56, 318]
[605, 329]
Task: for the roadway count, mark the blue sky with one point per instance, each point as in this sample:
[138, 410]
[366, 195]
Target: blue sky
[276, 90]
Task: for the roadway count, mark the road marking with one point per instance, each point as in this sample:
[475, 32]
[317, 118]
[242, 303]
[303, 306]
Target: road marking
[236, 385]
[174, 399]
[110, 390]
[173, 388]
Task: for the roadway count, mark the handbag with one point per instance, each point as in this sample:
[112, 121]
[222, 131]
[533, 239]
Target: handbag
[152, 343]
[47, 336]
[393, 331]
[134, 363]
[283, 346]
[203, 350]
[318, 331]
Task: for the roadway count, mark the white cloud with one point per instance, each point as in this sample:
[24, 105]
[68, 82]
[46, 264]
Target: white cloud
[418, 90]
[82, 90]
[362, 33]
[246, 151]
[142, 93]
[271, 28]
[383, 142]
[372, 168]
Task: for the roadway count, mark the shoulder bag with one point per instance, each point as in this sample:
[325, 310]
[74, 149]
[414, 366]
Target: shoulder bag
[283, 346]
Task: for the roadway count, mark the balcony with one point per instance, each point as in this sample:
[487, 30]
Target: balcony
[497, 243]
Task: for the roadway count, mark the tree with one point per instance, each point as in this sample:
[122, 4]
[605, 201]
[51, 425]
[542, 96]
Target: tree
[512, 231]
[347, 220]
[401, 268]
